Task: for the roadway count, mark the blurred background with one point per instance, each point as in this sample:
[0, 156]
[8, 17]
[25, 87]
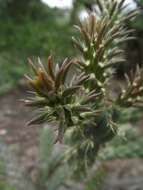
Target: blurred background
[36, 28]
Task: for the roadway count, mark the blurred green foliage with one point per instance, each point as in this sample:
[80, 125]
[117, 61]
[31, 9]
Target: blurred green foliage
[96, 181]
[138, 24]
[5, 186]
[128, 145]
[34, 38]
[132, 115]
[30, 29]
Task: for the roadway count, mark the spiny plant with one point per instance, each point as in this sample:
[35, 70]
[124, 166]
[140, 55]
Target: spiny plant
[76, 94]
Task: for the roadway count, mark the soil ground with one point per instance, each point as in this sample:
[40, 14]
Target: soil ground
[14, 116]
